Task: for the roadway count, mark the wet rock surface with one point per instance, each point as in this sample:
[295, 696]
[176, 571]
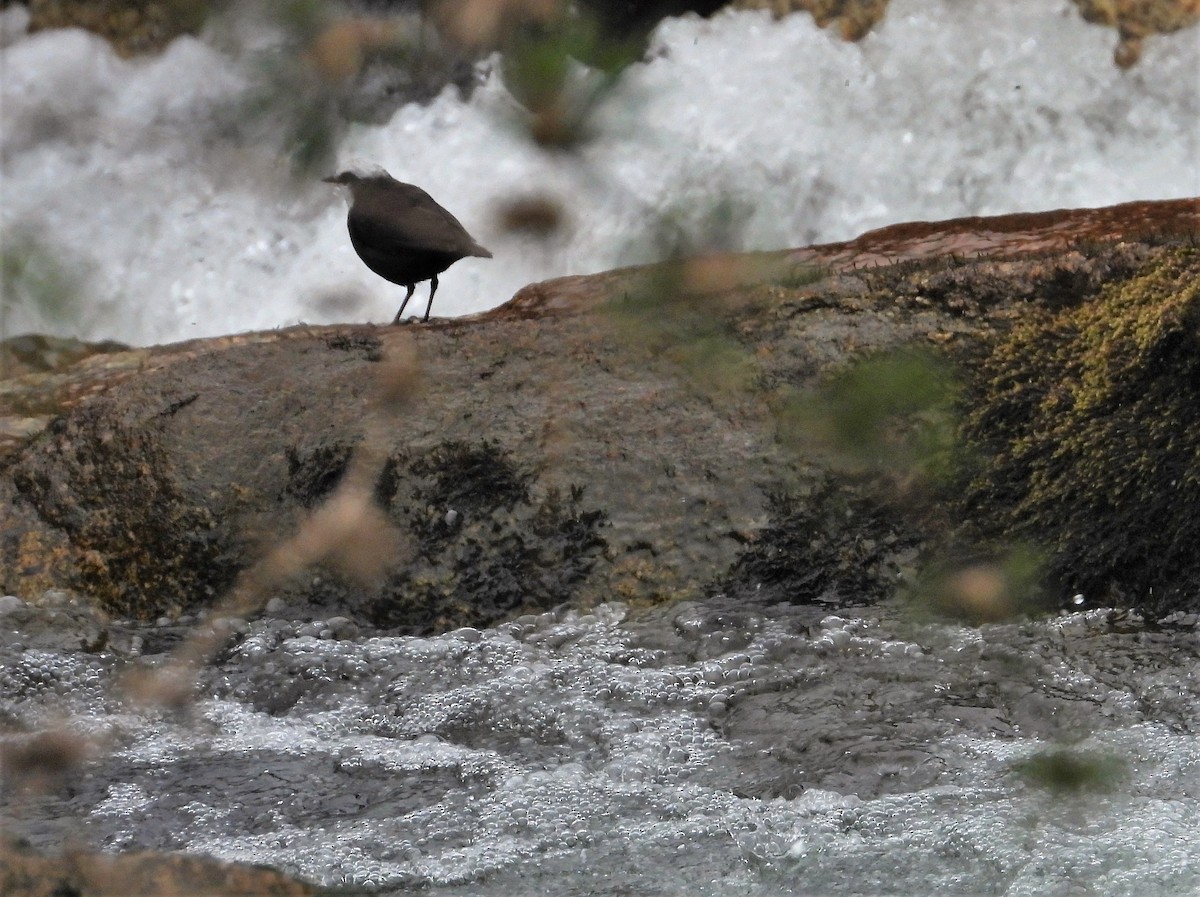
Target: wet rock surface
[567, 447]
[513, 709]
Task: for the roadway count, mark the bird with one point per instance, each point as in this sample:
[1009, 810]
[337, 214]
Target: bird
[402, 234]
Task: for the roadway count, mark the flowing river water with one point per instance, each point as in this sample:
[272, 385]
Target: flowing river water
[698, 749]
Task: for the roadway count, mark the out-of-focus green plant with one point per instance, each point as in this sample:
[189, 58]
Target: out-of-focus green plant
[541, 69]
[331, 68]
[555, 59]
[886, 423]
[891, 411]
[683, 309]
[1063, 771]
[34, 275]
[895, 414]
[688, 329]
[981, 589]
[794, 276]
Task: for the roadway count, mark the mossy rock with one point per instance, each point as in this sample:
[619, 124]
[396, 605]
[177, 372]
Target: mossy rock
[1087, 420]
[134, 533]
[131, 26]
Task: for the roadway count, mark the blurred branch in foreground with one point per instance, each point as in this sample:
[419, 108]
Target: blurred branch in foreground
[348, 532]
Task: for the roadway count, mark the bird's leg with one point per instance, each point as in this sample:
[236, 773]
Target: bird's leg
[411, 287]
[432, 290]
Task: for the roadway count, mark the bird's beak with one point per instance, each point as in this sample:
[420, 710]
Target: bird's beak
[332, 179]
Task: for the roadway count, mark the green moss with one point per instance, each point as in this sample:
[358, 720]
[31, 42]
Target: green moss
[1088, 418]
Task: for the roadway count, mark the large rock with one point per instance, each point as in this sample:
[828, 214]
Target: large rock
[28, 873]
[614, 436]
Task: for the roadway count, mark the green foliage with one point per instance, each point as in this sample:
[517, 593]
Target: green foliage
[300, 16]
[975, 590]
[686, 309]
[888, 412]
[1063, 771]
[305, 89]
[795, 277]
[290, 106]
[312, 138]
[715, 225]
[35, 274]
[688, 330]
[540, 68]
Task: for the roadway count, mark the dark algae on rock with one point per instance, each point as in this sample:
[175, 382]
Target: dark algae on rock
[485, 542]
[836, 545]
[488, 544]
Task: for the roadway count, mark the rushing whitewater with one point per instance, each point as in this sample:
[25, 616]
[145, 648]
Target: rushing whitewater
[951, 107]
[698, 751]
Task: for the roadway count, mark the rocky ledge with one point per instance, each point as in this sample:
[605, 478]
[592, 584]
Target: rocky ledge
[635, 435]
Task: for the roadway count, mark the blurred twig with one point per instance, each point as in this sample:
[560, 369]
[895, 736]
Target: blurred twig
[349, 532]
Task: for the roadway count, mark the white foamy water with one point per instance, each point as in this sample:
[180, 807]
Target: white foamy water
[950, 108]
[702, 753]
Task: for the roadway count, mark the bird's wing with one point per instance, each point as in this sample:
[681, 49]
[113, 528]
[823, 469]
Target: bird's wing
[392, 222]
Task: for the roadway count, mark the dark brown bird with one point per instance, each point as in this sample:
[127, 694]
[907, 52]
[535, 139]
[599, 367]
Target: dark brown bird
[401, 234]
